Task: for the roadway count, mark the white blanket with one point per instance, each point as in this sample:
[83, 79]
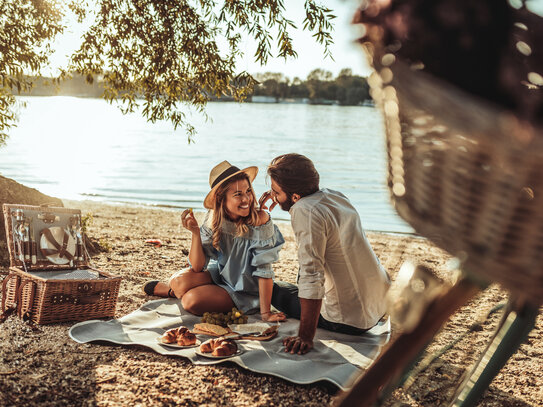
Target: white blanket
[337, 358]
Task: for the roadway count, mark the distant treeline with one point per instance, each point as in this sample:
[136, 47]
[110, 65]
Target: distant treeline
[319, 87]
[74, 86]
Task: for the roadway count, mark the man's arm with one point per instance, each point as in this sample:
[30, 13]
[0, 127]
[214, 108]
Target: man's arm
[310, 231]
[309, 318]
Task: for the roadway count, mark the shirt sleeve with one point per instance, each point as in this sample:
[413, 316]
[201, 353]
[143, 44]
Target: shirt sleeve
[210, 252]
[266, 252]
[310, 230]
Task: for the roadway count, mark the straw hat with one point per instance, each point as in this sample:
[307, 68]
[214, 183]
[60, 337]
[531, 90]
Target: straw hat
[220, 173]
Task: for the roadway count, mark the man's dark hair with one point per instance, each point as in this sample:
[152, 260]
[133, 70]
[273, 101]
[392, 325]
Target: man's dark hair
[295, 174]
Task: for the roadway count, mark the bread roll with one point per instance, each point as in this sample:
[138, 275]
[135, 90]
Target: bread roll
[170, 336]
[207, 347]
[182, 330]
[225, 348]
[173, 335]
[186, 339]
[219, 347]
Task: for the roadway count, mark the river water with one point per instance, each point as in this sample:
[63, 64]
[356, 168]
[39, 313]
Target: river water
[81, 148]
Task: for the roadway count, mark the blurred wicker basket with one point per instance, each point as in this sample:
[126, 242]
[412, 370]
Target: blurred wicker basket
[465, 174]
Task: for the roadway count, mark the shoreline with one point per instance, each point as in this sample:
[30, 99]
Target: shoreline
[43, 363]
[174, 208]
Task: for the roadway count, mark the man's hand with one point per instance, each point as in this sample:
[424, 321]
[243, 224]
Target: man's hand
[309, 318]
[267, 196]
[295, 344]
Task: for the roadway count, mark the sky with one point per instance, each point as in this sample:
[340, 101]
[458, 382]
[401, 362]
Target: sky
[345, 52]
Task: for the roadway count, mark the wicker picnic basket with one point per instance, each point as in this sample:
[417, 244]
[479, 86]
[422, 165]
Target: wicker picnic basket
[47, 284]
[465, 174]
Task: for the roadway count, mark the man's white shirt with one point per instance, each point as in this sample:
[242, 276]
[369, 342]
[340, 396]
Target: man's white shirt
[337, 263]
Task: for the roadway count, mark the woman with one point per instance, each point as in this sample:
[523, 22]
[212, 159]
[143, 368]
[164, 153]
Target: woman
[230, 254]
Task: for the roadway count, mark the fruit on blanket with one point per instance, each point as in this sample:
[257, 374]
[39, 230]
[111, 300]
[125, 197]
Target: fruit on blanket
[234, 316]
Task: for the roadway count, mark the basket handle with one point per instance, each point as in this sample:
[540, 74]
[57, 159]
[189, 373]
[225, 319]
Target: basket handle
[25, 314]
[7, 312]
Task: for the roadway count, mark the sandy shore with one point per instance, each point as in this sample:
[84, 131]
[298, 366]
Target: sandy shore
[41, 365]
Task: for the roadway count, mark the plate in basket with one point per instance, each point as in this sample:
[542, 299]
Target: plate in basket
[210, 356]
[175, 345]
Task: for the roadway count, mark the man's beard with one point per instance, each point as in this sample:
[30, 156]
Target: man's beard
[287, 204]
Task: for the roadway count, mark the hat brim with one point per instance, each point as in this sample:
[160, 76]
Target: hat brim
[250, 171]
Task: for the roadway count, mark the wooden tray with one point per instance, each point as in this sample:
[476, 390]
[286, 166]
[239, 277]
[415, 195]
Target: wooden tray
[251, 337]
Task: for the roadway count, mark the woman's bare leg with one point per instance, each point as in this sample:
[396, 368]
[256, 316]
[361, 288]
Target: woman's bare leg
[161, 289]
[187, 279]
[181, 282]
[207, 298]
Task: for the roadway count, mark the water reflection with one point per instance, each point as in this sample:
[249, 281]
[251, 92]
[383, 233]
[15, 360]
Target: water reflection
[76, 148]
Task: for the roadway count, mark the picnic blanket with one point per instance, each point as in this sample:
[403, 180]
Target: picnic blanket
[336, 358]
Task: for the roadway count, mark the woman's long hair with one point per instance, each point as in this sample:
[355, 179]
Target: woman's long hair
[220, 213]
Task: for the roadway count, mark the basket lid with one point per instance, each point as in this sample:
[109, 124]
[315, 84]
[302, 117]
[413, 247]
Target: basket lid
[57, 245]
[44, 238]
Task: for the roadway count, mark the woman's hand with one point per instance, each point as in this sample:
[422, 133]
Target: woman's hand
[270, 316]
[189, 222]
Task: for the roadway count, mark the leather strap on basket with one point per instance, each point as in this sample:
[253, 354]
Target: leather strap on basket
[7, 312]
[82, 300]
[60, 250]
[25, 314]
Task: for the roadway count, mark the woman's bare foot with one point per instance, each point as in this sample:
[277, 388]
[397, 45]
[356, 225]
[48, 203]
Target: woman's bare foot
[162, 290]
[157, 288]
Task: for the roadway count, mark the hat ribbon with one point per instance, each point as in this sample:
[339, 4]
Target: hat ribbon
[225, 174]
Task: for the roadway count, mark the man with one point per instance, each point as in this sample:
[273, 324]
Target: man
[341, 284]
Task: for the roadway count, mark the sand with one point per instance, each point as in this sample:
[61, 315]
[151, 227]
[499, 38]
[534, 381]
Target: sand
[42, 365]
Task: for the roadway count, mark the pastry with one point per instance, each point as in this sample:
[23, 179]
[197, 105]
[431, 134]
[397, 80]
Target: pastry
[225, 348]
[173, 335]
[170, 336]
[182, 330]
[219, 347]
[186, 339]
[207, 346]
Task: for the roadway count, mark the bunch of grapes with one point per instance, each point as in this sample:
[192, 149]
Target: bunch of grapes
[223, 319]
